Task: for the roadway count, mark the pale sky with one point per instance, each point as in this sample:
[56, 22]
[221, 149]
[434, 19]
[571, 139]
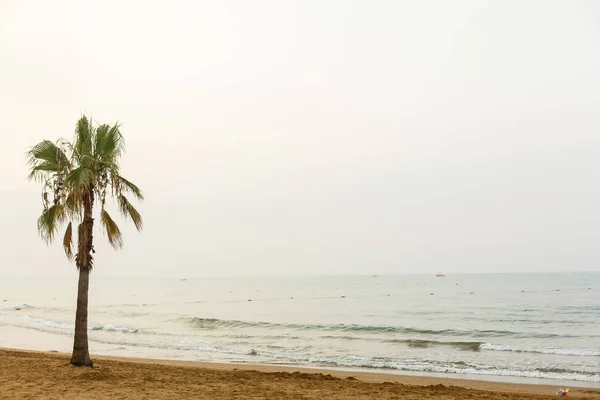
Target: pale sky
[316, 136]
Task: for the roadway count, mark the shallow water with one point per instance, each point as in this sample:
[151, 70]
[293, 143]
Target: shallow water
[485, 325]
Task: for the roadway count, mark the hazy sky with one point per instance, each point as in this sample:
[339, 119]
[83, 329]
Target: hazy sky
[316, 136]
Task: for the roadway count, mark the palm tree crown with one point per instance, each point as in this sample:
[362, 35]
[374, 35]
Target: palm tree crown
[73, 175]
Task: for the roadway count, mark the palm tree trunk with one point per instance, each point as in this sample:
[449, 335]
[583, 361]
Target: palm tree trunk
[81, 355]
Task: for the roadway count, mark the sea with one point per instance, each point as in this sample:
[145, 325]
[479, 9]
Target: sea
[531, 328]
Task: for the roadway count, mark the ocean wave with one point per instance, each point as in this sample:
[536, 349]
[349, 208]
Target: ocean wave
[458, 367]
[113, 328]
[67, 326]
[14, 306]
[48, 323]
[462, 368]
[214, 324]
[542, 350]
[467, 346]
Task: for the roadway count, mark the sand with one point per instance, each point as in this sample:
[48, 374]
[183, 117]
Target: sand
[37, 375]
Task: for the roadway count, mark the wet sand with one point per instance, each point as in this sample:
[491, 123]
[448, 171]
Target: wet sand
[38, 375]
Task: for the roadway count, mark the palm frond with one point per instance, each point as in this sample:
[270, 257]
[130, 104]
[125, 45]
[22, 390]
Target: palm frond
[130, 187]
[109, 143]
[67, 241]
[46, 157]
[42, 171]
[84, 133]
[50, 220]
[128, 210]
[112, 230]
[79, 179]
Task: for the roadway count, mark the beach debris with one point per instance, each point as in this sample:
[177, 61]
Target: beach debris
[562, 392]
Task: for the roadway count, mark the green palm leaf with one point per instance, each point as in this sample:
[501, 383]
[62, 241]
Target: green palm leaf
[80, 179]
[46, 157]
[109, 143]
[129, 187]
[128, 210]
[49, 222]
[84, 132]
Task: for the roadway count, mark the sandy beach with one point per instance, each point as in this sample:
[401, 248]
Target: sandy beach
[33, 375]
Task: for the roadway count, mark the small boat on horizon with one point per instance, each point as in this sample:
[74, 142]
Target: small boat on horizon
[440, 275]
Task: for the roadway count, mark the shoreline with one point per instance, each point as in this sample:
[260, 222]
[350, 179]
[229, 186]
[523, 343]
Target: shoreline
[37, 341]
[52, 365]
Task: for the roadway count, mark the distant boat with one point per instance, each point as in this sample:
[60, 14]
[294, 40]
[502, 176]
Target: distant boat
[439, 275]
[375, 276]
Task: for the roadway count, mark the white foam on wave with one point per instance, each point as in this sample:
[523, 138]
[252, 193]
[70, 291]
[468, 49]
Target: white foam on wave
[113, 328]
[483, 370]
[48, 323]
[542, 350]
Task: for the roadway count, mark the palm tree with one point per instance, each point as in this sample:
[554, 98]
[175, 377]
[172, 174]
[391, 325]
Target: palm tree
[74, 176]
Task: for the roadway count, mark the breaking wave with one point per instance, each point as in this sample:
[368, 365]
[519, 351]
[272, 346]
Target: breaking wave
[213, 324]
[66, 326]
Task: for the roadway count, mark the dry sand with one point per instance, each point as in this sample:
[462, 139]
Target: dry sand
[36, 375]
